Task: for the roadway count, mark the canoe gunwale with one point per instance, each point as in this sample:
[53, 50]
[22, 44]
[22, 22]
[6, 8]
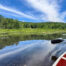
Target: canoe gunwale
[59, 59]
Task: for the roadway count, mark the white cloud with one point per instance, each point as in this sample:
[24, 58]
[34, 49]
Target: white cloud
[21, 14]
[49, 8]
[9, 14]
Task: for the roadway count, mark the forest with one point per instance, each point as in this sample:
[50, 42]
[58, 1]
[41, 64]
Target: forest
[8, 23]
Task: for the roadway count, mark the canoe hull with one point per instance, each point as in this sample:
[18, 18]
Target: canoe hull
[61, 61]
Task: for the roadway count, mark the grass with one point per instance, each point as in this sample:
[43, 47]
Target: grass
[28, 31]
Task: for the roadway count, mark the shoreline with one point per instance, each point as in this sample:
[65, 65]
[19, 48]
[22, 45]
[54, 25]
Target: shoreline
[29, 31]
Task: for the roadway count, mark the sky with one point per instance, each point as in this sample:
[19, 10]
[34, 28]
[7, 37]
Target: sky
[34, 10]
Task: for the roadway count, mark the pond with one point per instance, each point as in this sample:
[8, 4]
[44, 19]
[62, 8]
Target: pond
[30, 50]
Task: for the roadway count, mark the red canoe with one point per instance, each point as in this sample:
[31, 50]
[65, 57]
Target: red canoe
[61, 61]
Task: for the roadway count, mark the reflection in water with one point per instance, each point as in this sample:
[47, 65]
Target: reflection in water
[37, 49]
[60, 48]
[54, 58]
[18, 51]
[10, 40]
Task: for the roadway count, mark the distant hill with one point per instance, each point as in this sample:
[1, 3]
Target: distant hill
[7, 23]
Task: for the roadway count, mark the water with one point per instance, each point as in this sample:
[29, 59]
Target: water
[33, 50]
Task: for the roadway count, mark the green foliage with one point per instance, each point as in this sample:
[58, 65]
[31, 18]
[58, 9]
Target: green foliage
[7, 23]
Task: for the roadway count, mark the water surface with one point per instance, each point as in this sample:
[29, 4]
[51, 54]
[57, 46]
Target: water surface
[33, 50]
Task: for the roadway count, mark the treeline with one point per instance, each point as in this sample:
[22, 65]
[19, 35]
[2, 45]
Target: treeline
[7, 23]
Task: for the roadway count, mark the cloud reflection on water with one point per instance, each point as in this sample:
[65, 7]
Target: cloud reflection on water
[41, 49]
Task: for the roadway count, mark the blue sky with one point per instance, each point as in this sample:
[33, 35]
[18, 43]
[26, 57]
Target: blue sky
[34, 10]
